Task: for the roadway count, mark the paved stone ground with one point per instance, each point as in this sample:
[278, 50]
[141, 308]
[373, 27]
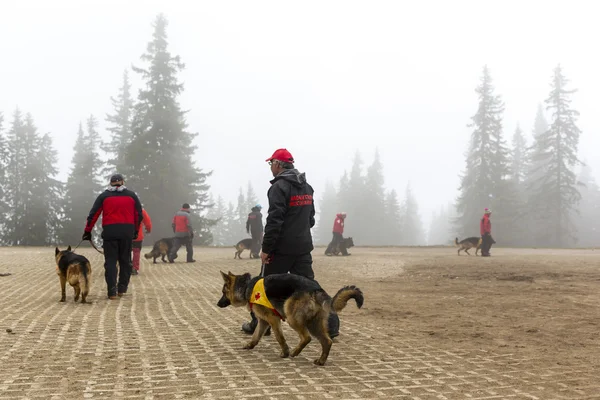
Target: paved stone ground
[167, 339]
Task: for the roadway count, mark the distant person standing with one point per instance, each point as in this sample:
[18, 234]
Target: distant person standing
[254, 227]
[184, 234]
[338, 235]
[137, 242]
[485, 227]
[122, 215]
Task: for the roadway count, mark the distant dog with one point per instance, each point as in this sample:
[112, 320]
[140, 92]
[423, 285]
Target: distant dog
[244, 244]
[161, 249]
[346, 242]
[299, 300]
[468, 243]
[76, 270]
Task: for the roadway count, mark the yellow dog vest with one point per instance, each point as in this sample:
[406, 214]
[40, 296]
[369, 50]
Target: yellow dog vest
[259, 296]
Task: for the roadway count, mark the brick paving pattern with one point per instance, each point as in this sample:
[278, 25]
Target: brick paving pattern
[167, 339]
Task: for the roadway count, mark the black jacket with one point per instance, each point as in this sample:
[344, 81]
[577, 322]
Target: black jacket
[254, 222]
[121, 213]
[291, 215]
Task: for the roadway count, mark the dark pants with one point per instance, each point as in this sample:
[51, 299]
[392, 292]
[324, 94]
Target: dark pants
[338, 239]
[117, 251]
[486, 244]
[299, 265]
[177, 243]
[256, 242]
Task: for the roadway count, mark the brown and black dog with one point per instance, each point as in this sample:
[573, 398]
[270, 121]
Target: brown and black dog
[244, 244]
[299, 300]
[161, 249]
[75, 269]
[468, 243]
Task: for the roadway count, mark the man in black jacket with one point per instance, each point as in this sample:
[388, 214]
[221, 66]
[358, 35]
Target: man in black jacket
[254, 226]
[287, 241]
[121, 217]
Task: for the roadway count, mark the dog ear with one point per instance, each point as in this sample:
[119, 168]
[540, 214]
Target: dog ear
[69, 248]
[225, 277]
[56, 251]
[230, 274]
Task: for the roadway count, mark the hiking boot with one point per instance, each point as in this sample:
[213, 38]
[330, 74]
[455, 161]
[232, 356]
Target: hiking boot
[113, 297]
[191, 261]
[134, 272]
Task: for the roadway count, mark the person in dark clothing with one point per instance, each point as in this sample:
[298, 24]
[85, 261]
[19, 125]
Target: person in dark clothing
[287, 241]
[338, 235]
[184, 234]
[121, 217]
[254, 227]
[485, 227]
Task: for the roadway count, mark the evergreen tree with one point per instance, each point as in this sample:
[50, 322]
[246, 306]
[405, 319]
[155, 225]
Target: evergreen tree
[440, 231]
[412, 226]
[393, 225]
[3, 166]
[485, 180]
[159, 157]
[519, 157]
[373, 199]
[33, 199]
[83, 184]
[219, 230]
[555, 157]
[241, 216]
[587, 220]
[251, 200]
[327, 211]
[353, 203]
[119, 128]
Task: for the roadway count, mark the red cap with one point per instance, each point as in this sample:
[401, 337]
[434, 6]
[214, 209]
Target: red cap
[282, 155]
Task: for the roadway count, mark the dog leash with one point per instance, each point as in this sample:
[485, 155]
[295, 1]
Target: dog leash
[77, 246]
[95, 248]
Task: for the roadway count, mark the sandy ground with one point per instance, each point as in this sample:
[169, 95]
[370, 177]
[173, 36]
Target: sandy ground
[521, 324]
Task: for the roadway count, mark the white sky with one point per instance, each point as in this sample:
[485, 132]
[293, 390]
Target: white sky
[322, 78]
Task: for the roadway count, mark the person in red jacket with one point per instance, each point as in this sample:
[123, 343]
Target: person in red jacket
[121, 218]
[338, 235]
[182, 228]
[485, 228]
[137, 243]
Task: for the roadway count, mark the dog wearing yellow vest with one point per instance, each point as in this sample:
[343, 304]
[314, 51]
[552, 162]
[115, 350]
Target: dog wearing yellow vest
[292, 298]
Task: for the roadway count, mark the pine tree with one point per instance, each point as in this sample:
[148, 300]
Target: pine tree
[219, 230]
[159, 157]
[393, 225]
[555, 156]
[83, 185]
[327, 211]
[120, 129]
[33, 198]
[251, 199]
[485, 180]
[373, 210]
[412, 226]
[440, 231]
[3, 166]
[353, 202]
[241, 216]
[587, 220]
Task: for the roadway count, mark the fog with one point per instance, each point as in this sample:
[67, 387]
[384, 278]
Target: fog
[322, 79]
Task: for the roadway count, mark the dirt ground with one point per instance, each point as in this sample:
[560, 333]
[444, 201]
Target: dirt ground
[522, 324]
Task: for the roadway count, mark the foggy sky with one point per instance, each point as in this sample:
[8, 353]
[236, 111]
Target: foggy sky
[320, 78]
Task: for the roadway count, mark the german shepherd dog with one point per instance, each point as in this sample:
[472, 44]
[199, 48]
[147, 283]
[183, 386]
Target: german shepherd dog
[244, 244]
[75, 269]
[347, 242]
[161, 249]
[299, 300]
[468, 243]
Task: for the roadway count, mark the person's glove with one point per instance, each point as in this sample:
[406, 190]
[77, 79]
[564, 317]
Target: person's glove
[86, 236]
[135, 235]
[192, 235]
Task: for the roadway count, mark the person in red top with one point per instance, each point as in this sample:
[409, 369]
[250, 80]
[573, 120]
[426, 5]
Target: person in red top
[338, 235]
[137, 243]
[485, 228]
[121, 218]
[182, 228]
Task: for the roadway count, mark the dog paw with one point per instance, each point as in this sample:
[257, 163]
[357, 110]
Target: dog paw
[284, 354]
[318, 361]
[248, 346]
[294, 353]
[62, 300]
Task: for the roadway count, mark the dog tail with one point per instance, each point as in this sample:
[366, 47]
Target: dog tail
[155, 250]
[456, 241]
[85, 282]
[344, 295]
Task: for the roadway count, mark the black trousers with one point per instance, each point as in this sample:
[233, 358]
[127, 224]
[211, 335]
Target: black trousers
[117, 250]
[256, 242]
[337, 239]
[299, 265]
[177, 243]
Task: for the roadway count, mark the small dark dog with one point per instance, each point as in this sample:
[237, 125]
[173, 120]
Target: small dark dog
[161, 249]
[299, 300]
[244, 244]
[346, 242]
[75, 269]
[468, 243]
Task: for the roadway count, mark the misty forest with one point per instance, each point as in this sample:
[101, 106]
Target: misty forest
[540, 192]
